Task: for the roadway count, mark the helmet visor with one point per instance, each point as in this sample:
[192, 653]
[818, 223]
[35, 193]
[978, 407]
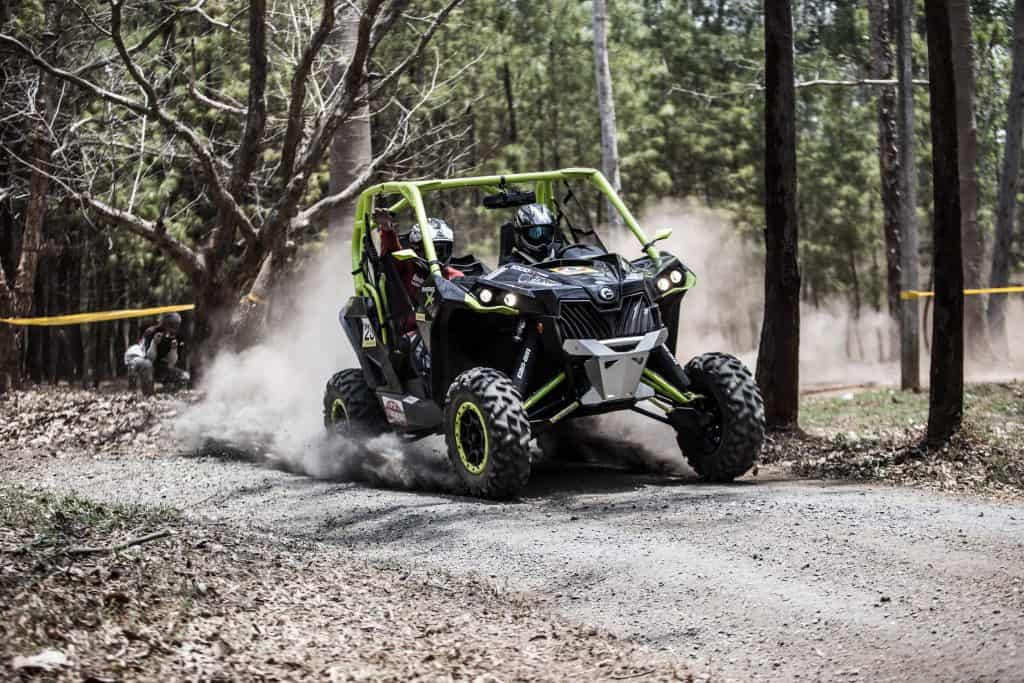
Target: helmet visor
[443, 250]
[539, 234]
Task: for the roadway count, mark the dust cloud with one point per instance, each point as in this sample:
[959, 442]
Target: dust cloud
[837, 345]
[265, 404]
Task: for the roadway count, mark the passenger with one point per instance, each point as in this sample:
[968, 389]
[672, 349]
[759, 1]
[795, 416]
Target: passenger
[413, 275]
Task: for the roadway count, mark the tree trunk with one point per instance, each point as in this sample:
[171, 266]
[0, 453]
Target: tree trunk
[946, 394]
[881, 16]
[1008, 183]
[606, 106]
[967, 146]
[17, 293]
[778, 371]
[351, 150]
[910, 353]
[553, 98]
[510, 104]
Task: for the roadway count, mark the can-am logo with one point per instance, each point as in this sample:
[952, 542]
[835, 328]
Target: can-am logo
[606, 294]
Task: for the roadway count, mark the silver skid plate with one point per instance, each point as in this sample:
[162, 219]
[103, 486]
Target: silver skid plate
[614, 366]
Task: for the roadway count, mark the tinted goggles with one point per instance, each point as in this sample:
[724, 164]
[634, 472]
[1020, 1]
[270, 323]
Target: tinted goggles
[539, 234]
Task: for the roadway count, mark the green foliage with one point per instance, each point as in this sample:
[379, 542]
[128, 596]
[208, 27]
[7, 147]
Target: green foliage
[687, 79]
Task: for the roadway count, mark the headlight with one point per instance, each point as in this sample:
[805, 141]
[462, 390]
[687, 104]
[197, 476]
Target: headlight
[509, 299]
[663, 284]
[676, 277]
[486, 295]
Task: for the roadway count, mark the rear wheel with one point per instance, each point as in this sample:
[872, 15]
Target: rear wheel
[350, 406]
[487, 433]
[724, 440]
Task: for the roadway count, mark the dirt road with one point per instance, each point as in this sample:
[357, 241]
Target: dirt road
[765, 579]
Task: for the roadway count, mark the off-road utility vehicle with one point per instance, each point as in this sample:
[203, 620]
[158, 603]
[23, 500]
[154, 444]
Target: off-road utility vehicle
[518, 350]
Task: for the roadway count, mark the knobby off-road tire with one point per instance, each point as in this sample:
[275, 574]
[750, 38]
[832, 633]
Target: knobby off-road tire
[350, 406]
[487, 433]
[732, 440]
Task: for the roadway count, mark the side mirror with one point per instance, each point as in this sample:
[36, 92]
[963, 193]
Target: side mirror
[405, 255]
[662, 234]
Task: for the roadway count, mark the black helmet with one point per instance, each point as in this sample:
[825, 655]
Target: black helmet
[535, 229]
[440, 234]
[170, 322]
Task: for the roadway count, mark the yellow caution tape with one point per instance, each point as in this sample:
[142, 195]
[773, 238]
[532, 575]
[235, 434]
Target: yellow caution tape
[913, 294]
[99, 316]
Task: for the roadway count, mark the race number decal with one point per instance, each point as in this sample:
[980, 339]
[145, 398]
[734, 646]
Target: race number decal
[369, 339]
[394, 411]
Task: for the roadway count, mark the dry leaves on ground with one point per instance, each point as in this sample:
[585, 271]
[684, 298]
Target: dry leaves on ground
[57, 420]
[203, 604]
[968, 463]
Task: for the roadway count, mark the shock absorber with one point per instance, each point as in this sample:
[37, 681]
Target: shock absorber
[528, 336]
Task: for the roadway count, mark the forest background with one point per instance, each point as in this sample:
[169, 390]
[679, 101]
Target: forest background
[499, 86]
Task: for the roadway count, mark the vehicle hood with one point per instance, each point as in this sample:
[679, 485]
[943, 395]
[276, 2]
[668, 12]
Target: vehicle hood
[605, 282]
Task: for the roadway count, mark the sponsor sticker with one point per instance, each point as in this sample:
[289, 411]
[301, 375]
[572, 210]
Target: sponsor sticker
[536, 280]
[394, 411]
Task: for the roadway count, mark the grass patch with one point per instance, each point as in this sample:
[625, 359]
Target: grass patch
[55, 519]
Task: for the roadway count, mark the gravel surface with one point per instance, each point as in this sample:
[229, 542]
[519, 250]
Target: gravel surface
[767, 578]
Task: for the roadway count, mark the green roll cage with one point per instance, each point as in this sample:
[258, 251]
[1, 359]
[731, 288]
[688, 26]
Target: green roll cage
[412, 197]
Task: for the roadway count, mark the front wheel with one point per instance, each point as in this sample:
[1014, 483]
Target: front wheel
[487, 433]
[724, 440]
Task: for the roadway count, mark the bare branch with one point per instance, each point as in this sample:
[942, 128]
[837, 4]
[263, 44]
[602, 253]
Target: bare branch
[212, 103]
[256, 114]
[156, 232]
[293, 134]
[198, 9]
[749, 88]
[318, 210]
[858, 82]
[224, 200]
[421, 45]
[89, 86]
[339, 108]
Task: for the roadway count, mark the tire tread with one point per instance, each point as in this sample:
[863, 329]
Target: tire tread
[742, 411]
[508, 432]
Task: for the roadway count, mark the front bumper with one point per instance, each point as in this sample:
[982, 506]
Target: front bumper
[614, 366]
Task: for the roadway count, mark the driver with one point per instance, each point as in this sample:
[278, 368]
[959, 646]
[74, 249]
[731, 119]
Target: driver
[535, 234]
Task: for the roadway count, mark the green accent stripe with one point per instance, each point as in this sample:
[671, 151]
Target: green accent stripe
[565, 411]
[662, 386]
[544, 391]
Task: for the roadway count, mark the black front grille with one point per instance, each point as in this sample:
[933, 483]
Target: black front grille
[583, 320]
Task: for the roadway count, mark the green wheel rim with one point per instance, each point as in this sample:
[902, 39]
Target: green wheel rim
[338, 410]
[471, 440]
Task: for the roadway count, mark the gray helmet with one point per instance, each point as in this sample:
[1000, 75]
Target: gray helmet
[170, 322]
[535, 229]
[440, 234]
